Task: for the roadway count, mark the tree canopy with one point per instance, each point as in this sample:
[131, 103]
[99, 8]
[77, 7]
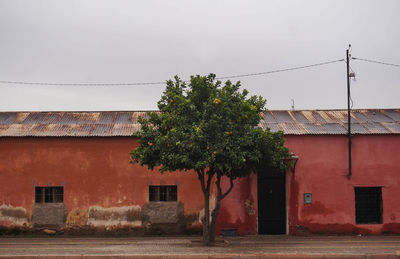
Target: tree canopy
[212, 129]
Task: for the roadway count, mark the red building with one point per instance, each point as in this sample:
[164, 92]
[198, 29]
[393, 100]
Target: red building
[72, 170]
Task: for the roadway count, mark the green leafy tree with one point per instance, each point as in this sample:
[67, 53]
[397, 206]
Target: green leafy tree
[211, 129]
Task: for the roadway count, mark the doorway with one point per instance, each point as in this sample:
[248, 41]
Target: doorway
[271, 204]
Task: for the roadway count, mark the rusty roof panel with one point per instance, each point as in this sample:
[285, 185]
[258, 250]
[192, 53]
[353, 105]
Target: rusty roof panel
[378, 116]
[375, 128]
[21, 116]
[38, 130]
[318, 117]
[136, 116]
[78, 130]
[43, 130]
[48, 118]
[312, 128]
[79, 117]
[337, 115]
[393, 114]
[291, 128]
[17, 130]
[124, 130]
[54, 130]
[3, 129]
[123, 117]
[7, 118]
[34, 118]
[106, 118]
[69, 118]
[359, 117]
[42, 118]
[335, 128]
[392, 127]
[272, 126]
[282, 116]
[104, 124]
[357, 128]
[102, 130]
[327, 117]
[299, 117]
[51, 118]
[267, 116]
[309, 116]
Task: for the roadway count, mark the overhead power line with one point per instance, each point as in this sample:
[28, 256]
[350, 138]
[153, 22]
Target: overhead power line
[79, 84]
[376, 62]
[282, 70]
[160, 83]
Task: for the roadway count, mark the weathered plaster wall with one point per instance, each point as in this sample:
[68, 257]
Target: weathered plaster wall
[239, 208]
[323, 171]
[13, 216]
[103, 190]
[101, 187]
[49, 215]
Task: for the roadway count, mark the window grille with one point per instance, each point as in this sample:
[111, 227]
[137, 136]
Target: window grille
[163, 193]
[368, 205]
[49, 194]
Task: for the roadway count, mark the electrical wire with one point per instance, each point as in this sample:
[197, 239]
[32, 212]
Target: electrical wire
[161, 83]
[281, 70]
[376, 62]
[79, 84]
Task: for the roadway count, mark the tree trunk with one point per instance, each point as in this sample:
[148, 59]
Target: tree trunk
[206, 219]
[215, 212]
[214, 216]
[209, 227]
[205, 187]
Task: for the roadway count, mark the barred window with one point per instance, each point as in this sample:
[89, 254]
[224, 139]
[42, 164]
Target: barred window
[163, 193]
[368, 205]
[49, 194]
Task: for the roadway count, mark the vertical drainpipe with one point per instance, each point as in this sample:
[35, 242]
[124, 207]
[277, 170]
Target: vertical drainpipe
[348, 110]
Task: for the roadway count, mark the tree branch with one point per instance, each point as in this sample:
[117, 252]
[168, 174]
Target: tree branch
[200, 175]
[218, 184]
[229, 190]
[210, 174]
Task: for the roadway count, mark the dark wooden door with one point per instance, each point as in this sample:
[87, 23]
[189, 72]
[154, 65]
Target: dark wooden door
[271, 204]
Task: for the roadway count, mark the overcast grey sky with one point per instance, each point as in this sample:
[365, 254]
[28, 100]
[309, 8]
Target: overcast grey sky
[95, 41]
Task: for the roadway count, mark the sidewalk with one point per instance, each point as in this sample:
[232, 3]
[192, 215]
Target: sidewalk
[190, 247]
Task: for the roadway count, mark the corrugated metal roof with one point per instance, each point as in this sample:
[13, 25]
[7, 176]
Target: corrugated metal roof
[334, 122]
[125, 123]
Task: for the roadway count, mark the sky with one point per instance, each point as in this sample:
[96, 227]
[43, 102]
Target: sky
[120, 41]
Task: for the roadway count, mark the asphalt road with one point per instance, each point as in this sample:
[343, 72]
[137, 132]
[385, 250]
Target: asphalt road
[191, 247]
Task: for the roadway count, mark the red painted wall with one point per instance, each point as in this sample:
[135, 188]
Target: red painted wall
[239, 208]
[322, 170]
[93, 171]
[97, 172]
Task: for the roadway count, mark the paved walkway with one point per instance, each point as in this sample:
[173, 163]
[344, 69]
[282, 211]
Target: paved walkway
[190, 247]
